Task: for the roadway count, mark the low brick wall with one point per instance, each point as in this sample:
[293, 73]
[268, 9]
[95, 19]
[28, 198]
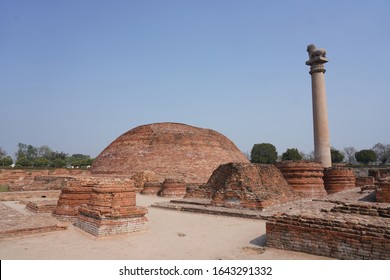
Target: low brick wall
[41, 206]
[371, 209]
[21, 196]
[365, 181]
[151, 188]
[43, 179]
[382, 193]
[108, 226]
[173, 188]
[335, 236]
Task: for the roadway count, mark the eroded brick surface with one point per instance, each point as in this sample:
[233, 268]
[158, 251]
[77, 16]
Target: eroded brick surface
[383, 192]
[14, 223]
[173, 188]
[140, 178]
[171, 150]
[151, 187]
[32, 180]
[76, 191]
[338, 179]
[305, 177]
[245, 185]
[112, 209]
[346, 225]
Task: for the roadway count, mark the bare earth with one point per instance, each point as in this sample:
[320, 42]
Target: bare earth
[170, 235]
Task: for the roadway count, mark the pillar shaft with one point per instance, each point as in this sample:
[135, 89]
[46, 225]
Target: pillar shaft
[320, 113]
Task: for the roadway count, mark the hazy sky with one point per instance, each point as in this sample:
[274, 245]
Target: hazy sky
[74, 74]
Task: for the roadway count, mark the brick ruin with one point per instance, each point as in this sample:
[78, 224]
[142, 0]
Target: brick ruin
[351, 223]
[140, 178]
[36, 180]
[334, 227]
[173, 188]
[305, 177]
[46, 206]
[338, 179]
[175, 160]
[170, 150]
[151, 187]
[112, 209]
[245, 185]
[382, 193]
[365, 181]
[76, 192]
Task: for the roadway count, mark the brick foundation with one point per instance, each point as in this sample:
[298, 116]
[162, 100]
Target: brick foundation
[41, 206]
[151, 188]
[111, 209]
[382, 193]
[347, 231]
[304, 177]
[365, 181]
[76, 192]
[25, 195]
[338, 179]
[173, 188]
[244, 186]
[108, 226]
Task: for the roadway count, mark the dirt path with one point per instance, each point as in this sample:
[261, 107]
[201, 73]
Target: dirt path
[170, 235]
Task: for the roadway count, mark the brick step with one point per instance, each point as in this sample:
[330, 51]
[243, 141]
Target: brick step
[207, 209]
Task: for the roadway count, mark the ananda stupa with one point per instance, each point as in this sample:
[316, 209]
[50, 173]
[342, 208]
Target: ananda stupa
[170, 150]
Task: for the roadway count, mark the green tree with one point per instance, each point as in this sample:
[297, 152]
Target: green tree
[336, 155]
[366, 156]
[23, 162]
[41, 162]
[264, 153]
[26, 155]
[58, 162]
[44, 151]
[79, 160]
[292, 154]
[5, 160]
[57, 159]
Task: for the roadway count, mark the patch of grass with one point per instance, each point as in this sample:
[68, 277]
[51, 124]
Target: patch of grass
[4, 188]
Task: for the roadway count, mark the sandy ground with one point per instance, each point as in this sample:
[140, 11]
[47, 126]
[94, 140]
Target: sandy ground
[170, 235]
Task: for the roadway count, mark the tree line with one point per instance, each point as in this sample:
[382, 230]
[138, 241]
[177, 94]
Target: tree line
[379, 154]
[43, 156]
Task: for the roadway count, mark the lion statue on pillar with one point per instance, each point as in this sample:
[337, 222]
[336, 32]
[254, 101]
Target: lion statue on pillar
[314, 52]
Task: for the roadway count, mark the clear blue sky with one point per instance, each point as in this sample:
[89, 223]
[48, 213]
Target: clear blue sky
[75, 74]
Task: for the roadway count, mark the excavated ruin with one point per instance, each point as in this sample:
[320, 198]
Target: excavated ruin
[170, 150]
[305, 177]
[245, 185]
[112, 209]
[338, 179]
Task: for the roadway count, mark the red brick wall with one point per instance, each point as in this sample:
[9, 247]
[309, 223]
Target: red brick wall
[337, 238]
[383, 192]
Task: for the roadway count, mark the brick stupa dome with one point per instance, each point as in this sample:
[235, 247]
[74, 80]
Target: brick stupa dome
[171, 150]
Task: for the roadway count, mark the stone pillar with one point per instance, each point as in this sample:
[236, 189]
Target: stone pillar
[317, 59]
